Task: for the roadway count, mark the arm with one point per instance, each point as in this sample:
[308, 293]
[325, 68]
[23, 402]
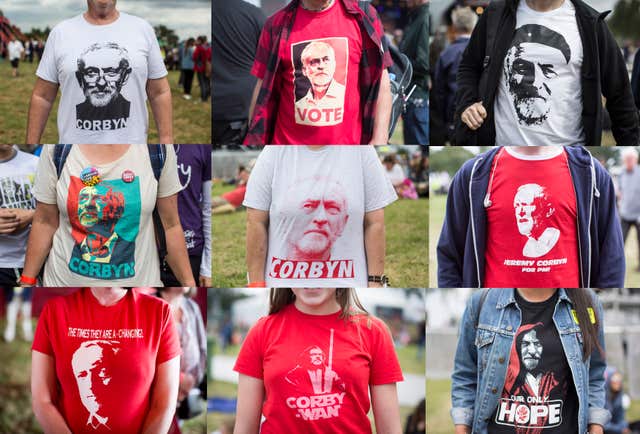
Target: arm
[614, 80]
[249, 408]
[254, 98]
[42, 98]
[386, 410]
[205, 266]
[598, 415]
[44, 393]
[164, 395]
[177, 256]
[383, 112]
[611, 266]
[257, 243]
[374, 242]
[45, 223]
[464, 384]
[159, 93]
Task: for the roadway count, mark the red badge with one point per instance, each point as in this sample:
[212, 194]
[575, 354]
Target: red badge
[128, 176]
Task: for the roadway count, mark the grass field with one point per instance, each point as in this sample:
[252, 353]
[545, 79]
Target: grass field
[439, 404]
[406, 356]
[16, 415]
[191, 119]
[406, 259]
[436, 215]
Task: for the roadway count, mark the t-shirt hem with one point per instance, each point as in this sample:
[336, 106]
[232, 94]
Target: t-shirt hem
[47, 200]
[381, 204]
[389, 380]
[157, 76]
[250, 204]
[173, 355]
[50, 354]
[248, 373]
[171, 192]
[46, 78]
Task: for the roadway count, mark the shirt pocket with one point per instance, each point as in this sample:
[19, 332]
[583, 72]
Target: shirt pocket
[484, 343]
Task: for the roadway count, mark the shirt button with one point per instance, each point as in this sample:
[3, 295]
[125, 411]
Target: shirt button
[501, 360]
[494, 390]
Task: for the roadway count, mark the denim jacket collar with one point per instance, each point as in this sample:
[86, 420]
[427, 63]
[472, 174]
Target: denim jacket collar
[508, 297]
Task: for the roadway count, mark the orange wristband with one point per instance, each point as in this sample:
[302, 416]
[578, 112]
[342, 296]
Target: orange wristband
[28, 280]
[260, 284]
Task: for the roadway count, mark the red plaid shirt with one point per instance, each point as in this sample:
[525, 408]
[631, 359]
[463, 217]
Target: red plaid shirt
[375, 58]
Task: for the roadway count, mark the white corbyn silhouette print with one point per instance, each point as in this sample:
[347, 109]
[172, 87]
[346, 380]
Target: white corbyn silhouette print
[533, 207]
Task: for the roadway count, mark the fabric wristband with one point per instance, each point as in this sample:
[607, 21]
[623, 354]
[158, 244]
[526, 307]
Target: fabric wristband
[28, 280]
[260, 284]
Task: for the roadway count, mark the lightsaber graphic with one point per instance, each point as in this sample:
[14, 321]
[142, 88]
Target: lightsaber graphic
[328, 378]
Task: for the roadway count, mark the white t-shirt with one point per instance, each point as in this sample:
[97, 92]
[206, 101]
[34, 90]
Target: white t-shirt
[16, 181]
[396, 174]
[317, 200]
[106, 234]
[103, 72]
[539, 99]
[15, 49]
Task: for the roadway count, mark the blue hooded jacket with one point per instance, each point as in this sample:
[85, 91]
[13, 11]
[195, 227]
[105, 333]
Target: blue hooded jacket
[461, 247]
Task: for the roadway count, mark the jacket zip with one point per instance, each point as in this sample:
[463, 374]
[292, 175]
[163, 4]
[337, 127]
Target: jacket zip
[473, 226]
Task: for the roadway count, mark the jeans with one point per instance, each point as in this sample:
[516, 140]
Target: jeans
[205, 86]
[626, 225]
[416, 122]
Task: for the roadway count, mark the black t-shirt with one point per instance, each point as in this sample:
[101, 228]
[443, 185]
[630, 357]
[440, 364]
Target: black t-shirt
[539, 395]
[236, 30]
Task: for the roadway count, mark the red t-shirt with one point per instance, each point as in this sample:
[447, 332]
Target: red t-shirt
[532, 238]
[236, 196]
[106, 357]
[317, 370]
[317, 81]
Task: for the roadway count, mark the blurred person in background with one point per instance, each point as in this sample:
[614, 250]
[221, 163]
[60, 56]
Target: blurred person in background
[202, 66]
[238, 25]
[16, 49]
[629, 195]
[445, 83]
[415, 44]
[18, 302]
[416, 421]
[346, 365]
[232, 200]
[635, 79]
[17, 207]
[614, 403]
[186, 66]
[193, 342]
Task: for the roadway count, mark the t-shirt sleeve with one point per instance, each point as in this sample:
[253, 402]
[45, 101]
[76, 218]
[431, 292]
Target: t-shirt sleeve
[44, 186]
[169, 183]
[249, 361]
[42, 337]
[155, 64]
[262, 52]
[258, 193]
[385, 367]
[47, 68]
[378, 190]
[169, 339]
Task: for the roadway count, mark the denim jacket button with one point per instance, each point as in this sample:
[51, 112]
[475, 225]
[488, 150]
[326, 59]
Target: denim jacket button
[509, 328]
[501, 360]
[494, 390]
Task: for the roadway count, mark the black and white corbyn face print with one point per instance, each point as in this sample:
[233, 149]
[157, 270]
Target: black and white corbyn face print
[103, 71]
[531, 65]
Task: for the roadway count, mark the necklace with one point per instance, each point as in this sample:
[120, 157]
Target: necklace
[316, 10]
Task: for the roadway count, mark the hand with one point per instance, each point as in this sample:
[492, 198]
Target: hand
[187, 382]
[25, 217]
[463, 429]
[595, 429]
[9, 220]
[204, 282]
[474, 115]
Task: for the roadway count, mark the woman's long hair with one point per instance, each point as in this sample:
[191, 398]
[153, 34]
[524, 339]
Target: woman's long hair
[582, 302]
[346, 298]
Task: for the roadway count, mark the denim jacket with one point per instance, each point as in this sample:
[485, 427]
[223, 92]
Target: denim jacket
[482, 358]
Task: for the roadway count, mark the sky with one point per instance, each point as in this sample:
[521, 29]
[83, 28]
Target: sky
[185, 17]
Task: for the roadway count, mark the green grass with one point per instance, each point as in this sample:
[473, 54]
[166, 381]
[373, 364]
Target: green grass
[437, 211]
[191, 119]
[406, 261]
[439, 404]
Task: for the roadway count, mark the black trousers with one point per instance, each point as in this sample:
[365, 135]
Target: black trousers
[187, 80]
[170, 279]
[626, 225]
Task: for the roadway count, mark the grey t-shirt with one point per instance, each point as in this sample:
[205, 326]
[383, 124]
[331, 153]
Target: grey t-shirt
[16, 181]
[629, 188]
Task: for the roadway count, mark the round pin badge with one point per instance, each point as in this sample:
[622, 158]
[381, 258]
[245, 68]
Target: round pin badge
[128, 176]
[90, 176]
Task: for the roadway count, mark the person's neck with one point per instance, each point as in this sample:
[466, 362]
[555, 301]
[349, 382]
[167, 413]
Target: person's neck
[99, 19]
[108, 296]
[7, 154]
[536, 295]
[544, 5]
[533, 150]
[103, 154]
[328, 308]
[316, 5]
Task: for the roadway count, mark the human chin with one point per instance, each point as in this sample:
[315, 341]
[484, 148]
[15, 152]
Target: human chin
[101, 98]
[314, 296]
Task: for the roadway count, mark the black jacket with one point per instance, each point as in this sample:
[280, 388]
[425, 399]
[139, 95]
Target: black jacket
[635, 79]
[603, 73]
